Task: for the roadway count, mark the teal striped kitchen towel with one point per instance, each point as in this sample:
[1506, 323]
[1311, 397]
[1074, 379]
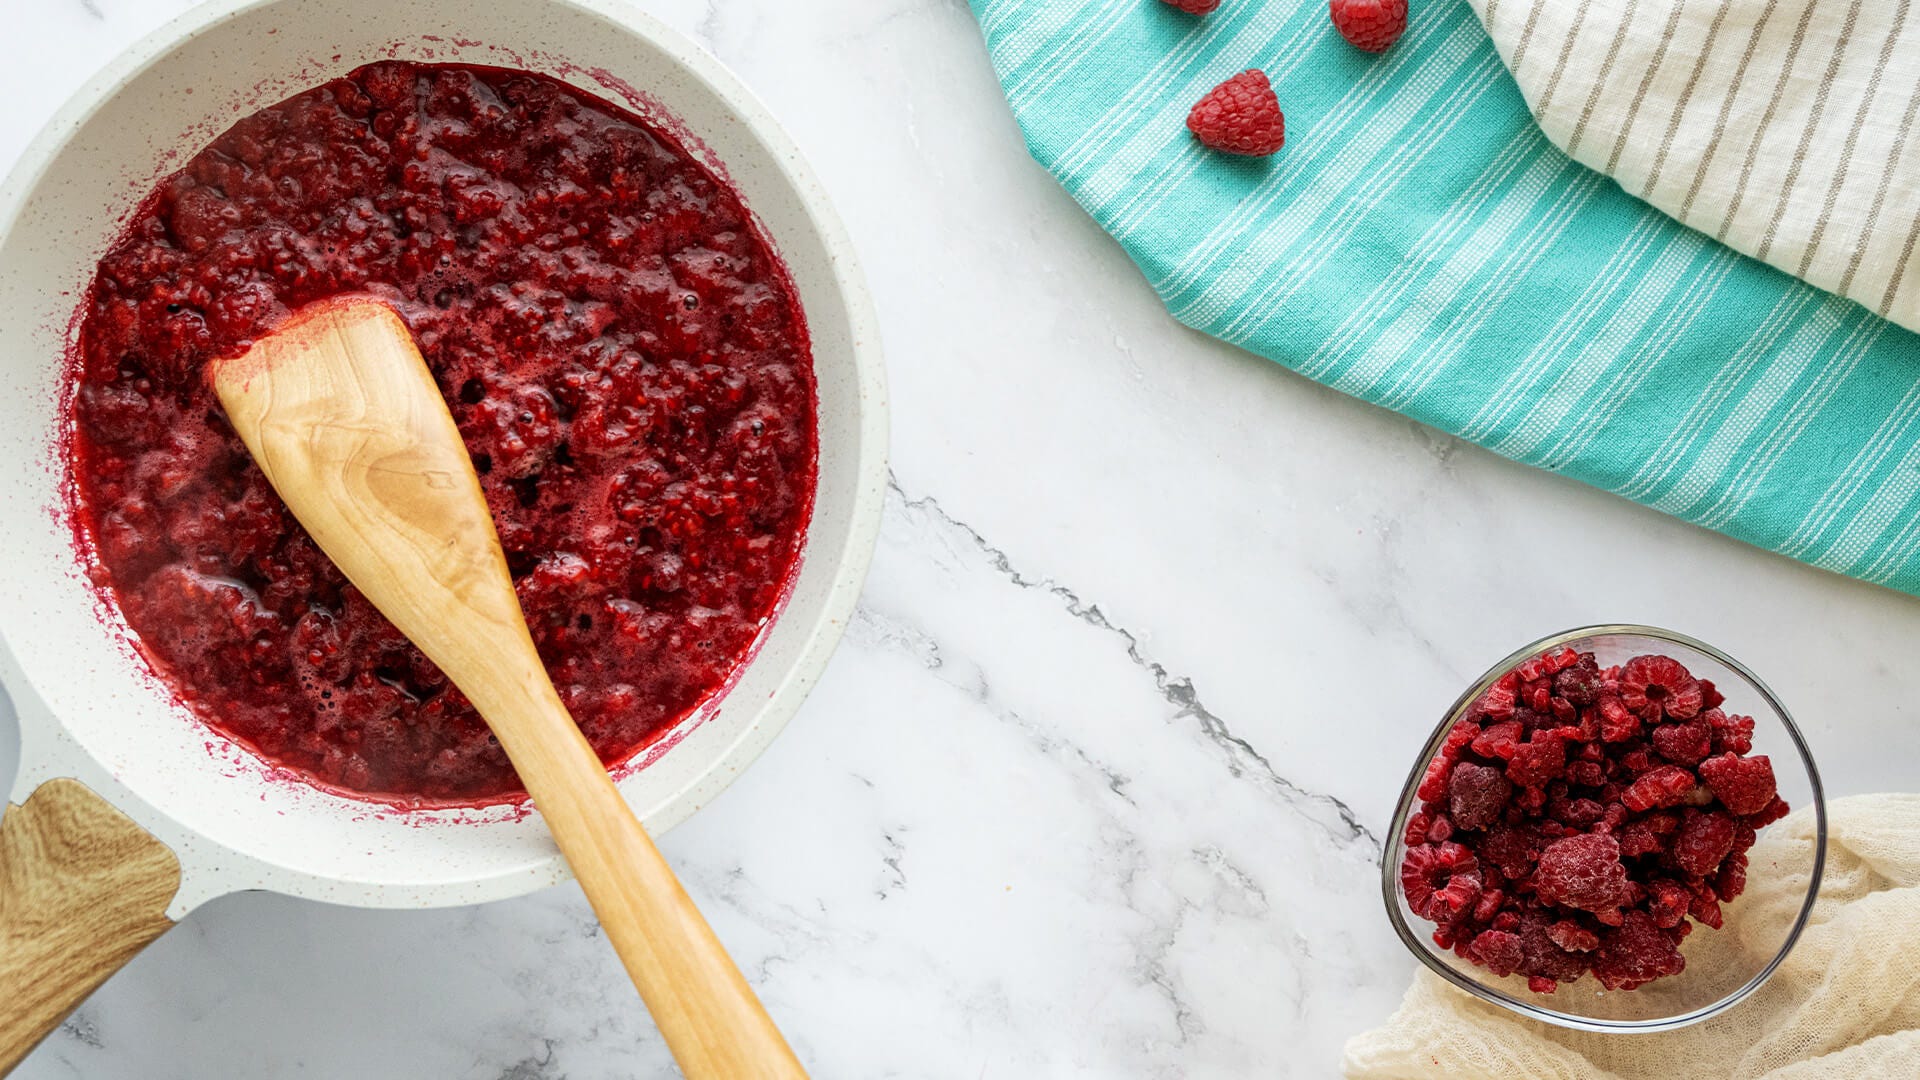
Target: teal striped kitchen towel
[1420, 244]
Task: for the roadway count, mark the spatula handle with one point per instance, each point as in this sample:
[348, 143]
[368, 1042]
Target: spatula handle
[343, 416]
[712, 1020]
[82, 890]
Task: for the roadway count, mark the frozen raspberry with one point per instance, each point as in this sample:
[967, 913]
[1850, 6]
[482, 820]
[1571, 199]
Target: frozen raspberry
[1440, 881]
[1617, 722]
[1542, 956]
[1657, 685]
[1732, 879]
[1775, 809]
[1710, 696]
[1497, 951]
[1193, 7]
[1579, 684]
[1587, 773]
[1415, 833]
[1512, 848]
[1538, 760]
[1706, 909]
[1498, 701]
[1370, 25]
[1576, 818]
[1648, 834]
[1637, 760]
[1669, 901]
[1684, 744]
[1573, 937]
[1476, 794]
[1731, 734]
[1703, 840]
[1584, 872]
[1578, 813]
[1668, 785]
[1743, 837]
[1636, 954]
[1240, 116]
[1499, 740]
[1743, 785]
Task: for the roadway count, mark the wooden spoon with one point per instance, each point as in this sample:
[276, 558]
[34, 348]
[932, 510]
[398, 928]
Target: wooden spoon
[341, 413]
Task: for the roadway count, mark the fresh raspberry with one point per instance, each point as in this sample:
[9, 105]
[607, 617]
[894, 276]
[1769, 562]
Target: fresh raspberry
[1476, 794]
[1659, 685]
[1743, 785]
[1193, 7]
[1240, 116]
[1370, 25]
[1636, 954]
[1584, 872]
[1440, 881]
[1703, 840]
[1539, 760]
[1667, 785]
[1573, 937]
[1684, 744]
[1498, 952]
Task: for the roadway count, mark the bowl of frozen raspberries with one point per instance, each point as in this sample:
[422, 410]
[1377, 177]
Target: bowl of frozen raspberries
[1574, 841]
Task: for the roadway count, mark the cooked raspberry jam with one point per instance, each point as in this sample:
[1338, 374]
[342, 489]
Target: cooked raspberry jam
[1577, 818]
[624, 354]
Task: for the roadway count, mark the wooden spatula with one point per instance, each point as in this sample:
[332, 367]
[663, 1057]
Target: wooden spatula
[342, 415]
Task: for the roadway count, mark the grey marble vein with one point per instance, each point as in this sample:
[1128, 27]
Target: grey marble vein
[1241, 758]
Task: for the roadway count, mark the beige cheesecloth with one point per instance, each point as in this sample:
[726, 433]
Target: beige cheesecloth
[1845, 1004]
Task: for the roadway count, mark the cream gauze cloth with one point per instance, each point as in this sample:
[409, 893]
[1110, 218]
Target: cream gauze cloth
[1845, 1005]
[1784, 128]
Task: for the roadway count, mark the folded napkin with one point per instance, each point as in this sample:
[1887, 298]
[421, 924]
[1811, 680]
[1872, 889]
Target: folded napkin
[1421, 244]
[1785, 128]
[1844, 1005]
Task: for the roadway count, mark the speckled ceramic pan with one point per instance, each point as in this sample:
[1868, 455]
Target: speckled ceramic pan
[88, 710]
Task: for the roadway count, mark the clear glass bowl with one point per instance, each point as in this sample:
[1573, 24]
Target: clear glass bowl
[1699, 991]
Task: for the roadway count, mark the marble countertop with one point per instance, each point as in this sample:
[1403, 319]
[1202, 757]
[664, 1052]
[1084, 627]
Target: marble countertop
[1096, 784]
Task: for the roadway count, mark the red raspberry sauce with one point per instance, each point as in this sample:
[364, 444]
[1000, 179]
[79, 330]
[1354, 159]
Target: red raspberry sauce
[624, 354]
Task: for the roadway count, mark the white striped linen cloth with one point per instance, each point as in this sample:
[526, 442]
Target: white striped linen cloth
[1784, 128]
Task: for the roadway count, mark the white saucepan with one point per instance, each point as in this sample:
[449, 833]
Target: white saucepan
[129, 813]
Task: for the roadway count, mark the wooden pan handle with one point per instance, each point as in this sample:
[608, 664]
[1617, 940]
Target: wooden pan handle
[82, 889]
